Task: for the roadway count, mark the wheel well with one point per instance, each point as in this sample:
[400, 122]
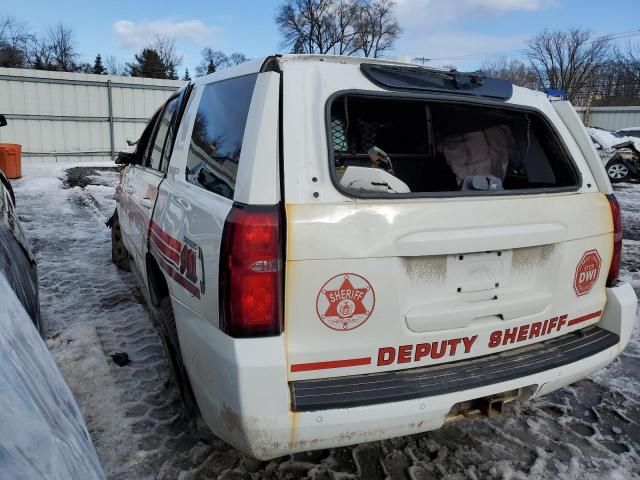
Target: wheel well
[158, 288]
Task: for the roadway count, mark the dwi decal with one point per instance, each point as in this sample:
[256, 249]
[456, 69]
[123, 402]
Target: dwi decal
[587, 272]
[345, 301]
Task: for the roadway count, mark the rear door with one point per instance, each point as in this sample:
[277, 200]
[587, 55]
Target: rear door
[438, 267]
[146, 178]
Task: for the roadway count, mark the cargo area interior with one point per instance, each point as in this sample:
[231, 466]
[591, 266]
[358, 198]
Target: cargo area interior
[404, 145]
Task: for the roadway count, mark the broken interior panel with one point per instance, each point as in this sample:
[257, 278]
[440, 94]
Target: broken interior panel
[403, 146]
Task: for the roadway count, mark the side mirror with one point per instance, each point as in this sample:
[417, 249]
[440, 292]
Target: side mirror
[127, 158]
[4, 182]
[3, 121]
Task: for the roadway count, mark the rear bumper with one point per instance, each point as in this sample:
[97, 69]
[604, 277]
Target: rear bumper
[262, 423]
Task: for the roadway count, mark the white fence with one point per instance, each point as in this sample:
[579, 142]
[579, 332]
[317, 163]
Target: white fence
[58, 116]
[612, 118]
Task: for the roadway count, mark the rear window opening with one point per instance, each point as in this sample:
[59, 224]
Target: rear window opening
[406, 146]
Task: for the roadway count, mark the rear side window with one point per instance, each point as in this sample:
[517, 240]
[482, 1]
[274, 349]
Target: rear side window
[217, 135]
[405, 146]
[155, 154]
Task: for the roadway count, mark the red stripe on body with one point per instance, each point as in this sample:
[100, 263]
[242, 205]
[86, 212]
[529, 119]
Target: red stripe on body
[349, 362]
[584, 318]
[164, 248]
[190, 287]
[165, 237]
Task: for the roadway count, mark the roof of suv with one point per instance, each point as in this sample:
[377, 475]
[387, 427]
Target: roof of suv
[520, 95]
[255, 65]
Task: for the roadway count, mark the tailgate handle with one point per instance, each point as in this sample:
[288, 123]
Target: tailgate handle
[480, 239]
[457, 314]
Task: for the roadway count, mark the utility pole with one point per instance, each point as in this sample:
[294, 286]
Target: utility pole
[423, 60]
[587, 111]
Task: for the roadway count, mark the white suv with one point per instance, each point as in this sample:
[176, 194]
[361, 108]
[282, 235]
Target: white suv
[341, 250]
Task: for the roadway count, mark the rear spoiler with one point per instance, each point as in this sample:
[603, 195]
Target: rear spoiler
[394, 77]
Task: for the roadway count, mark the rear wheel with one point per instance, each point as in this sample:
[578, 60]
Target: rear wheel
[169, 335]
[119, 253]
[617, 171]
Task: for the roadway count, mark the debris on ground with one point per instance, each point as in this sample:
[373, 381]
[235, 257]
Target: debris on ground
[120, 358]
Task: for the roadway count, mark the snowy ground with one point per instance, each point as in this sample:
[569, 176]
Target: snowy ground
[91, 310]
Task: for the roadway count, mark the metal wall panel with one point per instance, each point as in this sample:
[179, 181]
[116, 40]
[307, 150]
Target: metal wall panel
[612, 118]
[58, 116]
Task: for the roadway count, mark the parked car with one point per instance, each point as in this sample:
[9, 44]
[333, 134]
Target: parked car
[621, 154]
[42, 433]
[17, 263]
[629, 132]
[374, 249]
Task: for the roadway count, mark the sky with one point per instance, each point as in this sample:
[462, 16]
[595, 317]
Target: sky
[451, 32]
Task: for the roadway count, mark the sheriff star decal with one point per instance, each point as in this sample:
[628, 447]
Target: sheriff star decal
[345, 302]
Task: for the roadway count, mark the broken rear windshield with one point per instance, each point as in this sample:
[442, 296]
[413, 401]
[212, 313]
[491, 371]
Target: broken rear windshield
[405, 146]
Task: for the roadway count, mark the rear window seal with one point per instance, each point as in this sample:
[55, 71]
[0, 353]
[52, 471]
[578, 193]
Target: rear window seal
[447, 98]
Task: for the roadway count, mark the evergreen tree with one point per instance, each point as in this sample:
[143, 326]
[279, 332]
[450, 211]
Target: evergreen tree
[147, 64]
[211, 68]
[186, 77]
[98, 68]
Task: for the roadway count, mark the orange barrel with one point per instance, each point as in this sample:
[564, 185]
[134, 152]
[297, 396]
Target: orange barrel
[11, 159]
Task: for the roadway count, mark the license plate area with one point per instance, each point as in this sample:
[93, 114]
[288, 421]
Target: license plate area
[473, 272]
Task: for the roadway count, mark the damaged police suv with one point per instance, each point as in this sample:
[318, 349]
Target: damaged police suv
[341, 250]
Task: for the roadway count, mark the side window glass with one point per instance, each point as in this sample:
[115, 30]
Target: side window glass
[216, 140]
[154, 155]
[173, 130]
[142, 147]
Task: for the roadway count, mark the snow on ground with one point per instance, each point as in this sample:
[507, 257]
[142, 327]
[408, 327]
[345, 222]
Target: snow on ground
[590, 430]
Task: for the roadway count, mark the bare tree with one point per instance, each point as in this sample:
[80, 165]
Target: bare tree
[214, 60]
[61, 44]
[113, 66]
[39, 55]
[307, 23]
[344, 22]
[170, 58]
[343, 27]
[377, 27]
[568, 59]
[617, 81]
[14, 39]
[513, 70]
[236, 58]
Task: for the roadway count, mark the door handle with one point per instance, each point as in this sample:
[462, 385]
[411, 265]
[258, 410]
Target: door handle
[146, 202]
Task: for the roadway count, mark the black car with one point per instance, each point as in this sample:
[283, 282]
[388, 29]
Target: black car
[17, 263]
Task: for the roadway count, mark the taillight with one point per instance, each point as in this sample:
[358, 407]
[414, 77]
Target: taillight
[614, 270]
[251, 264]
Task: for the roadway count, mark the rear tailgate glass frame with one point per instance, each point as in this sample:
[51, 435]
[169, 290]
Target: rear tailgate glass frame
[448, 99]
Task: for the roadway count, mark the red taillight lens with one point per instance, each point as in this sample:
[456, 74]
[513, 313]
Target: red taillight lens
[614, 270]
[251, 263]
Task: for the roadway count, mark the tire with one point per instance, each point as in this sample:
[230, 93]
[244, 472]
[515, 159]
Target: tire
[119, 253]
[617, 171]
[169, 334]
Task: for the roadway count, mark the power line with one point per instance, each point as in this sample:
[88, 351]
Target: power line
[523, 51]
